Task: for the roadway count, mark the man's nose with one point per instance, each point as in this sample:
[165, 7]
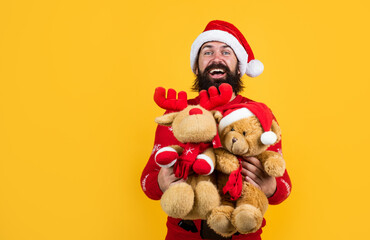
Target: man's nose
[217, 57]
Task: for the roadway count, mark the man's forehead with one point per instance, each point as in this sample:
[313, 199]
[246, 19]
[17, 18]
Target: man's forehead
[215, 44]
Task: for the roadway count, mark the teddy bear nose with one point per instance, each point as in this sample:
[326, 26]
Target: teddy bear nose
[234, 139]
[195, 111]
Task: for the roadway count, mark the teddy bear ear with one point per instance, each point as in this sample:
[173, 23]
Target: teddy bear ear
[217, 115]
[167, 119]
[276, 129]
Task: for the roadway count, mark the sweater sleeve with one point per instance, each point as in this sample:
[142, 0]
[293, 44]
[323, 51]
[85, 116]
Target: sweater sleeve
[283, 184]
[149, 177]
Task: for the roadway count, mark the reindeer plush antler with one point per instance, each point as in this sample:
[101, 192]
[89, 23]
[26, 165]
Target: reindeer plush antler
[170, 103]
[215, 99]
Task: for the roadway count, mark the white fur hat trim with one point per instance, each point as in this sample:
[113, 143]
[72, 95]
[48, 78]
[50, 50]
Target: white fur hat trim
[233, 117]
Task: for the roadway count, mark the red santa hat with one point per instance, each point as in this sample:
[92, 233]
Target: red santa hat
[225, 32]
[244, 110]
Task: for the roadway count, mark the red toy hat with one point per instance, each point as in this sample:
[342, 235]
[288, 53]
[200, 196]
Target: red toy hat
[225, 32]
[260, 110]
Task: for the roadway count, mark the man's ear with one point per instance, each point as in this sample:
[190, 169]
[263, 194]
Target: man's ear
[217, 115]
[276, 129]
[167, 119]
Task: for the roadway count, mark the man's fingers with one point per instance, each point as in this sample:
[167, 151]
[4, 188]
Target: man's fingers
[171, 175]
[253, 169]
[254, 161]
[173, 178]
[252, 176]
[252, 182]
[166, 177]
[179, 180]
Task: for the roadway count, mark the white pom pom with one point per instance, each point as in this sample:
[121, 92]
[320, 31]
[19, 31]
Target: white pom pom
[254, 68]
[268, 138]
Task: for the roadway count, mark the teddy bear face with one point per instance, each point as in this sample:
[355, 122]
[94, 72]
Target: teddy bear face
[243, 137]
[194, 128]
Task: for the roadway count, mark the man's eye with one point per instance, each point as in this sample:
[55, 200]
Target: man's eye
[226, 53]
[207, 53]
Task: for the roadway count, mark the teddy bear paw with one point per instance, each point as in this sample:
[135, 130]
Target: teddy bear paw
[166, 157]
[275, 166]
[178, 200]
[220, 221]
[247, 219]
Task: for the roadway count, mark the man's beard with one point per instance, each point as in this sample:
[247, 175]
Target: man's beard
[204, 81]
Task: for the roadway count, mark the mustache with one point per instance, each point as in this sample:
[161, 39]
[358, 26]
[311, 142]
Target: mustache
[217, 65]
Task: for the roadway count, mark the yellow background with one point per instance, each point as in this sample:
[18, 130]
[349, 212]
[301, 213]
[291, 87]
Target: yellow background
[77, 115]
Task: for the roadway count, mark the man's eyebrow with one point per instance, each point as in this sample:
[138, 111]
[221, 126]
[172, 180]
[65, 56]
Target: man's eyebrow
[206, 46]
[210, 46]
[225, 46]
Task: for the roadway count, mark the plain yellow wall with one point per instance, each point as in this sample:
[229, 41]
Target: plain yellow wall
[77, 115]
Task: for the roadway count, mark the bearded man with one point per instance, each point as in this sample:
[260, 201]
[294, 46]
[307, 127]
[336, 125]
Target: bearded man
[220, 54]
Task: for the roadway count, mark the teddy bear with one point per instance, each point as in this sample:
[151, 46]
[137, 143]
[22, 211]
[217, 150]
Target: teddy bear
[245, 130]
[194, 126]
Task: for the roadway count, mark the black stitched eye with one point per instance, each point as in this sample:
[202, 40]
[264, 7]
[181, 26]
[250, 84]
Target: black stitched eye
[244, 133]
[232, 129]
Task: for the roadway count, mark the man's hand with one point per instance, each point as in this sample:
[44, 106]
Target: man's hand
[255, 174]
[166, 177]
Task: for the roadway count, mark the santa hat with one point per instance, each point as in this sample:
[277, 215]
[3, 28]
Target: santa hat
[245, 110]
[225, 32]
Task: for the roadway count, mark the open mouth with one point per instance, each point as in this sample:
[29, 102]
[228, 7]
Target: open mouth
[217, 73]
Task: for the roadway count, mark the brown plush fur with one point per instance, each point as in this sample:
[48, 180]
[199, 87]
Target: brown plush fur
[195, 198]
[244, 215]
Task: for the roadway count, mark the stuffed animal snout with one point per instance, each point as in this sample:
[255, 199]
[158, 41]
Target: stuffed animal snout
[236, 143]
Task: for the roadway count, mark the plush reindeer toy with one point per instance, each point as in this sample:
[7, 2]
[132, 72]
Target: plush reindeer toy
[194, 126]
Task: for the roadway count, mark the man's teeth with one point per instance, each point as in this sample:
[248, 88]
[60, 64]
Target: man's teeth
[216, 70]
